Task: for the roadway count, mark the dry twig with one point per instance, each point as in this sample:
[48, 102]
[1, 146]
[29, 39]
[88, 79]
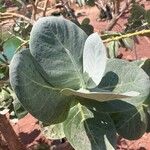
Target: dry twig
[45, 7]
[9, 15]
[117, 15]
[34, 11]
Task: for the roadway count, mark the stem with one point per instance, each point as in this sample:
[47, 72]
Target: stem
[34, 11]
[117, 15]
[45, 7]
[9, 134]
[117, 6]
[6, 14]
[126, 35]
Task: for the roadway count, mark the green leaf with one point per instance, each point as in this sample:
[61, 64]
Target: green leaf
[113, 49]
[10, 46]
[37, 96]
[120, 77]
[137, 17]
[55, 131]
[86, 129]
[94, 60]
[137, 12]
[147, 16]
[128, 43]
[57, 44]
[131, 124]
[98, 96]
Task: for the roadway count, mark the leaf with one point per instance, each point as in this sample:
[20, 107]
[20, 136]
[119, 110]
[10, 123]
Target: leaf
[128, 43]
[57, 45]
[147, 16]
[98, 96]
[137, 17]
[94, 60]
[131, 124]
[36, 95]
[137, 12]
[113, 49]
[89, 130]
[10, 46]
[54, 131]
[122, 77]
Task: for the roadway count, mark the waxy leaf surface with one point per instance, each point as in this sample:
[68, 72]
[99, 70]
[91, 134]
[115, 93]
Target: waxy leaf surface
[57, 44]
[37, 96]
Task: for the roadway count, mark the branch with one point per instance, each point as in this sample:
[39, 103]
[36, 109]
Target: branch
[126, 36]
[117, 16]
[34, 11]
[45, 7]
[8, 15]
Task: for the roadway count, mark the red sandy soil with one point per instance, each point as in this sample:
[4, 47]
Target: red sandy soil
[28, 129]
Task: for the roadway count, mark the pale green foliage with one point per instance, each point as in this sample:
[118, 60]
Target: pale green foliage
[51, 80]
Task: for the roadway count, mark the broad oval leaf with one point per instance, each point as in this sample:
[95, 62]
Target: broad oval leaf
[94, 60]
[57, 45]
[122, 77]
[98, 96]
[10, 46]
[37, 96]
[89, 130]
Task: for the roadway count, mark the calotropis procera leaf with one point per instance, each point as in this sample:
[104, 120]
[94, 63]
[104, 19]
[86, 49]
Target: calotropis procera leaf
[37, 96]
[131, 124]
[57, 44]
[122, 77]
[98, 96]
[89, 130]
[94, 60]
[54, 131]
